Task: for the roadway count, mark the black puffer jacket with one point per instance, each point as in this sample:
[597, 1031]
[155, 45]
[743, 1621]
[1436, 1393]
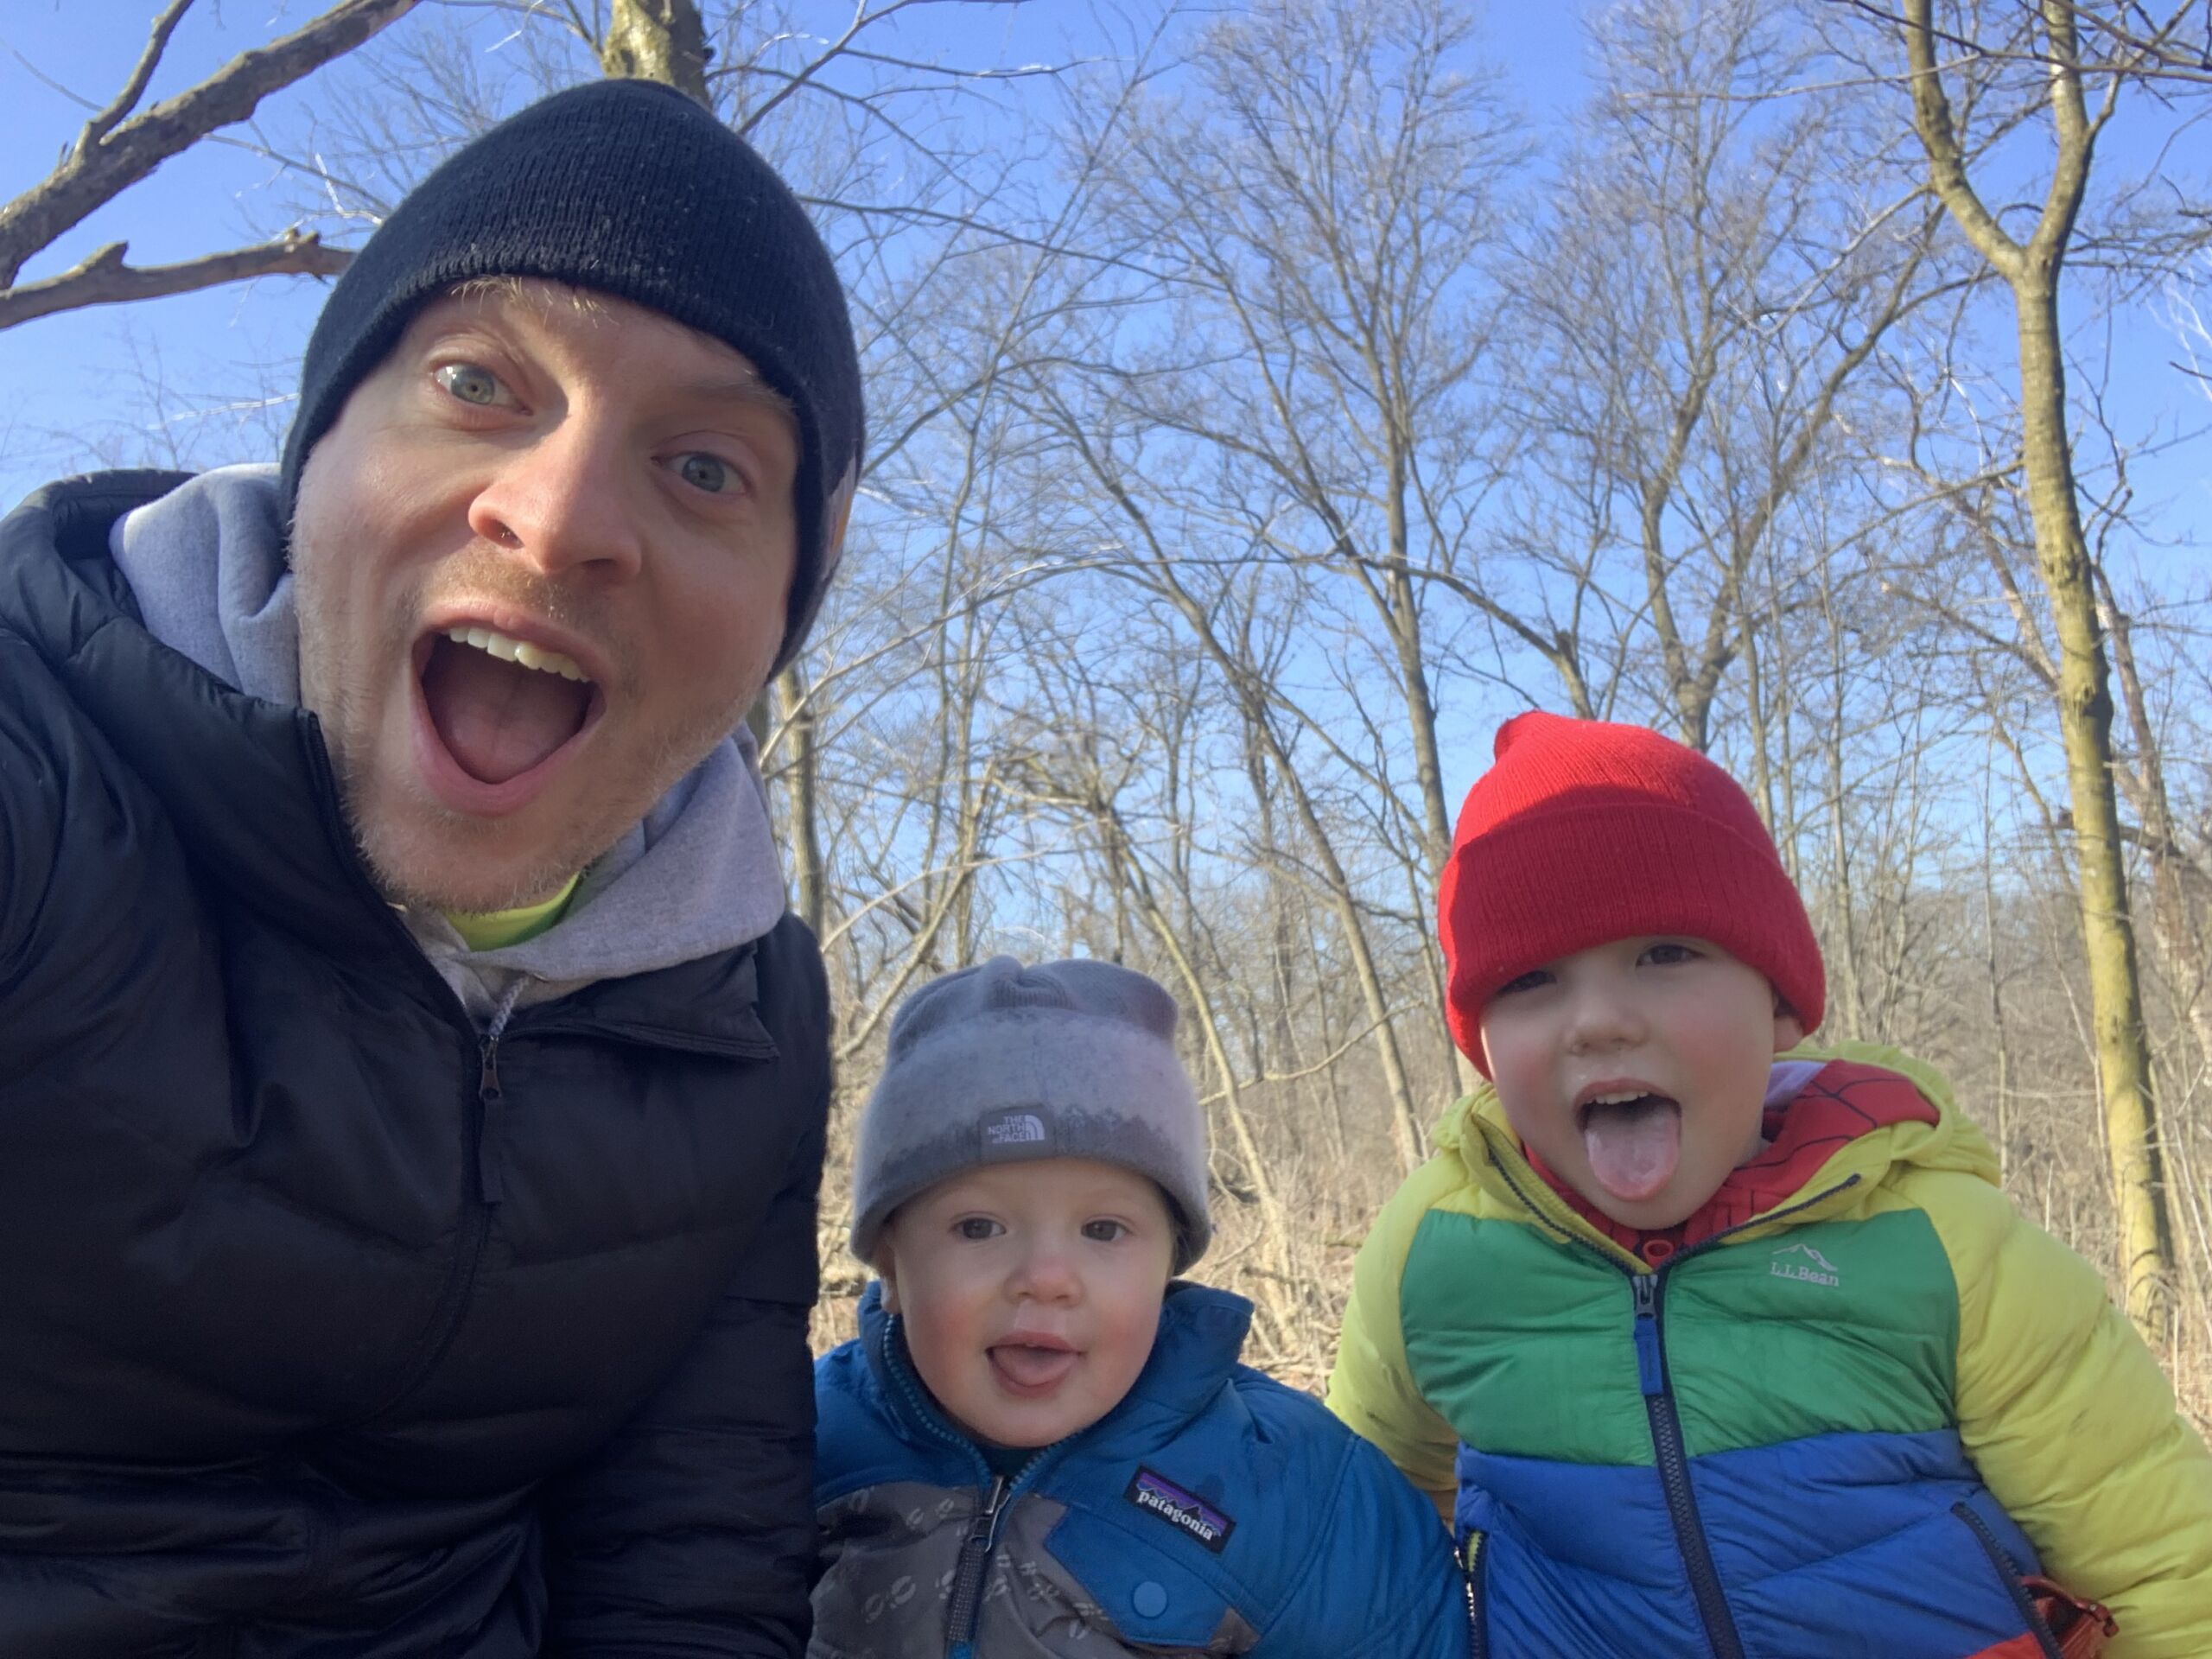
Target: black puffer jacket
[323, 1330]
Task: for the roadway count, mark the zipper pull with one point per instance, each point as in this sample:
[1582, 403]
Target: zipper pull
[490, 1186]
[1651, 1373]
[967, 1603]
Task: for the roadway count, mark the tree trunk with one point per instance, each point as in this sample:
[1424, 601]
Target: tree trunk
[2085, 710]
[1402, 616]
[802, 796]
[2032, 271]
[658, 40]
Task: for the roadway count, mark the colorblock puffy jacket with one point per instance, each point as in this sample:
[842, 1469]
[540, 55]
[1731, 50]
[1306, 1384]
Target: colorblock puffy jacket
[1846, 1427]
[1213, 1511]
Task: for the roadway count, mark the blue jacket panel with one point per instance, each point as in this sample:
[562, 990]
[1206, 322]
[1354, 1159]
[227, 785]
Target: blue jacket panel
[1213, 1511]
[1834, 1545]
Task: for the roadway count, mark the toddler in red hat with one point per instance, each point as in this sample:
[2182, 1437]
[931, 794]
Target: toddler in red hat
[1713, 1345]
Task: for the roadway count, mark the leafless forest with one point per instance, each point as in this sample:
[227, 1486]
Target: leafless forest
[1265, 402]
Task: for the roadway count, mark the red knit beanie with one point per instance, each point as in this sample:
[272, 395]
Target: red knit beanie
[1583, 832]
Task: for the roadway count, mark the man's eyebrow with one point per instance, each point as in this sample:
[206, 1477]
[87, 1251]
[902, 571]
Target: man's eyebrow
[747, 389]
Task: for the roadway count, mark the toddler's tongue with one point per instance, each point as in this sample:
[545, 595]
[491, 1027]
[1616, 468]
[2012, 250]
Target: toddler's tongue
[1633, 1148]
[1032, 1368]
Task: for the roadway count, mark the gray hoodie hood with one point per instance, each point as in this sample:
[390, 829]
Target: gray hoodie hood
[697, 875]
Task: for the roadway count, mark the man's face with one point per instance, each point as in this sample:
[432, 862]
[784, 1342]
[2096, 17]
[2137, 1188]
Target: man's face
[542, 562]
[1638, 1070]
[1030, 1292]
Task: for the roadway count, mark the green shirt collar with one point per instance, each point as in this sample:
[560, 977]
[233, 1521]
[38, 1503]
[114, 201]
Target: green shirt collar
[494, 930]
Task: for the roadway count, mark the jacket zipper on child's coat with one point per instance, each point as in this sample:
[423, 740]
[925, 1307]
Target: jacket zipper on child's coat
[1645, 1291]
[1674, 1472]
[966, 1605]
[2009, 1571]
[968, 1577]
[1471, 1577]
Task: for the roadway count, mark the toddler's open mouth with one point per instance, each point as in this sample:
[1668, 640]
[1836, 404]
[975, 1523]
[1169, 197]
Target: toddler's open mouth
[1032, 1368]
[1633, 1141]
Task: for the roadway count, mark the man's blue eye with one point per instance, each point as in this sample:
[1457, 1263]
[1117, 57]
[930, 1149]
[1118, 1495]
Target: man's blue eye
[470, 383]
[704, 471]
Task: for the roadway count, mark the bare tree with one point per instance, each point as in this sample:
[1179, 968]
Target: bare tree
[2052, 35]
[1318, 213]
[123, 144]
[1701, 301]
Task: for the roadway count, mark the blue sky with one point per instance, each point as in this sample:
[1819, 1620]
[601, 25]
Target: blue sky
[196, 371]
[75, 389]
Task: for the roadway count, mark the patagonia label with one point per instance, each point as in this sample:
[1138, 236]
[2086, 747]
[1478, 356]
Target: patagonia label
[1010, 1130]
[1158, 1496]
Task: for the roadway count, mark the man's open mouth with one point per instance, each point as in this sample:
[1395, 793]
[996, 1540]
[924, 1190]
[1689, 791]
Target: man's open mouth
[502, 706]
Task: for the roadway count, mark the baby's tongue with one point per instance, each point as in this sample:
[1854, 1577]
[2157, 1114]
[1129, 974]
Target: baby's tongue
[1032, 1368]
[1633, 1148]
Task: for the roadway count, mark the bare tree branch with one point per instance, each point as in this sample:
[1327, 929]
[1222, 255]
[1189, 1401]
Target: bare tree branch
[133, 89]
[104, 279]
[95, 173]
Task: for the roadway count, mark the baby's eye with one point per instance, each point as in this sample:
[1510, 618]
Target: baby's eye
[705, 472]
[1528, 981]
[472, 384]
[977, 1228]
[1667, 952]
[1105, 1231]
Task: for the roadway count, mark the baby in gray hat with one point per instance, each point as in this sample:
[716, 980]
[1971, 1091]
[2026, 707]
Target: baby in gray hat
[1042, 1442]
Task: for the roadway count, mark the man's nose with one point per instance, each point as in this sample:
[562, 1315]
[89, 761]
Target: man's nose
[561, 501]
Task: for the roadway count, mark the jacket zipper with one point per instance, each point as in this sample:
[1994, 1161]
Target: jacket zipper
[1472, 1582]
[482, 1181]
[1646, 1289]
[968, 1577]
[1674, 1472]
[2008, 1570]
[491, 1129]
[966, 1607]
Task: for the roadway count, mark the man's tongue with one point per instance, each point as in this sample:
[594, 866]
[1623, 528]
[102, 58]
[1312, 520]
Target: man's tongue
[498, 719]
[1032, 1368]
[1634, 1146]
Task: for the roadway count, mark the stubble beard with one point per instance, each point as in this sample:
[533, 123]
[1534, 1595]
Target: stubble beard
[422, 854]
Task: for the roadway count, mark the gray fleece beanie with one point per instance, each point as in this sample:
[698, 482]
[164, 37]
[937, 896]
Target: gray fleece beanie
[999, 1064]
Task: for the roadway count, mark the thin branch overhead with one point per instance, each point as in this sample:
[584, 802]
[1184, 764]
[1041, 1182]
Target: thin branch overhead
[119, 148]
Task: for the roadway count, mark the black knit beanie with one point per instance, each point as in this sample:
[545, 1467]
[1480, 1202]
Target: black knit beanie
[628, 187]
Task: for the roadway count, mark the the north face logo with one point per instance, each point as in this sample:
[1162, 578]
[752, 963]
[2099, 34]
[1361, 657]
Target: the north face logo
[1014, 1129]
[1804, 1263]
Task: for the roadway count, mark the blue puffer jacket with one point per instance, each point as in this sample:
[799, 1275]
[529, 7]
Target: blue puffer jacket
[1213, 1511]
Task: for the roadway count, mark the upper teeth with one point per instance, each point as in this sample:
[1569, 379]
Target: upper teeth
[1621, 1098]
[518, 650]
